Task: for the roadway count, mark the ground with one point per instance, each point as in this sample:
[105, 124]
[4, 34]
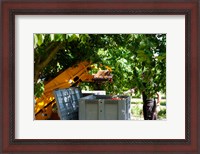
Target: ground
[137, 105]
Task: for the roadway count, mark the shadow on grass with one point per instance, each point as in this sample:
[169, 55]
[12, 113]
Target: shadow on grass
[137, 110]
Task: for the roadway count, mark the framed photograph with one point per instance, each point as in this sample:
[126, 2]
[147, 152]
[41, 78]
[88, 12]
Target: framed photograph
[26, 25]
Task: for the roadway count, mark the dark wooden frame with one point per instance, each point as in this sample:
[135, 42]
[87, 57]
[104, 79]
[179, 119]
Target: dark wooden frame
[10, 8]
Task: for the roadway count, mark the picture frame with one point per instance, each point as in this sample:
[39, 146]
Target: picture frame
[189, 8]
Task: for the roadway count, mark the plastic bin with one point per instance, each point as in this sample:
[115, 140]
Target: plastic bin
[103, 107]
[67, 103]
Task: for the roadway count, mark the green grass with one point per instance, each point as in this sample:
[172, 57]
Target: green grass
[163, 103]
[162, 114]
[137, 110]
[136, 102]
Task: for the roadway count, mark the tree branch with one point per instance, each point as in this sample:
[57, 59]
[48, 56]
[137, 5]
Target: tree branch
[44, 63]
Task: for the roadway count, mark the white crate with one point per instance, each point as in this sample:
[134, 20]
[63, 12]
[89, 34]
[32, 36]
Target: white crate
[103, 107]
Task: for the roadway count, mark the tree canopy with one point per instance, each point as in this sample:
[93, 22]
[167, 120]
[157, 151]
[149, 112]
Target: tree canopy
[135, 59]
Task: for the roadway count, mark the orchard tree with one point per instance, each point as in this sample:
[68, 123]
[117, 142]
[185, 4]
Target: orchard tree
[137, 60]
[53, 53]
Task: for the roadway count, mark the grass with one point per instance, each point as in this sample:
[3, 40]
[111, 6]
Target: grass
[162, 114]
[137, 109]
[163, 103]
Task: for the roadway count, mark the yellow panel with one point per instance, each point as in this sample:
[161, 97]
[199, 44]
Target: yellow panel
[43, 108]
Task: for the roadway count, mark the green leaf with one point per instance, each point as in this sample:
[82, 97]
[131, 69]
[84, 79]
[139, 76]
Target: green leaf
[35, 40]
[51, 37]
[40, 39]
[129, 55]
[72, 37]
[38, 89]
[58, 37]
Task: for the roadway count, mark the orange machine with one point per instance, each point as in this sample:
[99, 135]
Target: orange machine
[72, 76]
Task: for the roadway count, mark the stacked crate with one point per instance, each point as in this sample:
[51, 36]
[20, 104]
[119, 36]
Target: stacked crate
[67, 103]
[104, 107]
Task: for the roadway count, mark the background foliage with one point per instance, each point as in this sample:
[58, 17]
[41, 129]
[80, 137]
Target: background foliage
[135, 59]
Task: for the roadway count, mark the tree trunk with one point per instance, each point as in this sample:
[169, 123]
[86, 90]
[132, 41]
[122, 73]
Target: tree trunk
[149, 108]
[51, 50]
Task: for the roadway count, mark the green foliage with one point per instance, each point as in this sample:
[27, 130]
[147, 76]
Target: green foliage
[129, 55]
[136, 111]
[163, 103]
[38, 89]
[162, 114]
[38, 39]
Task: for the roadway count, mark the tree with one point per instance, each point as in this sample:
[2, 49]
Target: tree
[53, 53]
[137, 60]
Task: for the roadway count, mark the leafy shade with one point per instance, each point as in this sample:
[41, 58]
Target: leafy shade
[137, 60]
